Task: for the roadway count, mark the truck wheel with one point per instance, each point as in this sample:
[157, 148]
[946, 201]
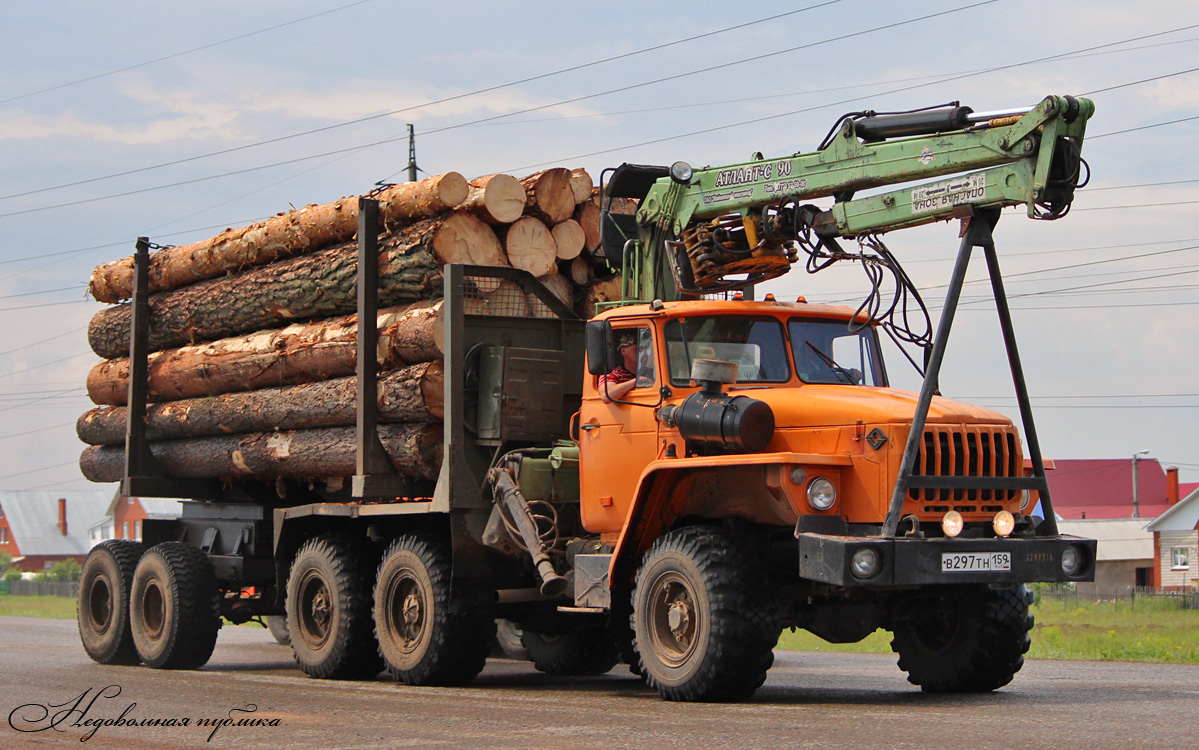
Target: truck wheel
[175, 607]
[702, 626]
[104, 585]
[329, 611]
[963, 639]
[589, 651]
[277, 625]
[428, 634]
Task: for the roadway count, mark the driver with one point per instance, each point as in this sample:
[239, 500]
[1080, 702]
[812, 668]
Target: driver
[617, 384]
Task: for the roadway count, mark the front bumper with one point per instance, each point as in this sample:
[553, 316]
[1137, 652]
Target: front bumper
[908, 561]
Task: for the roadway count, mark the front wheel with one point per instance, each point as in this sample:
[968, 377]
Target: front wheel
[175, 607]
[702, 625]
[582, 652]
[104, 586]
[962, 639]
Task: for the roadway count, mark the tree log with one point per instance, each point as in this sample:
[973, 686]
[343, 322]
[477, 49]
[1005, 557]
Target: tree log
[588, 217]
[414, 449]
[581, 184]
[581, 272]
[299, 353]
[411, 394]
[495, 198]
[319, 285]
[569, 239]
[508, 300]
[604, 290]
[549, 195]
[560, 287]
[282, 236]
[531, 247]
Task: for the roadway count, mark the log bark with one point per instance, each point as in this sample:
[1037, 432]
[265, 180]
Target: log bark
[282, 236]
[569, 239]
[414, 449]
[410, 394]
[581, 184]
[495, 198]
[319, 285]
[299, 353]
[549, 195]
[531, 247]
[588, 217]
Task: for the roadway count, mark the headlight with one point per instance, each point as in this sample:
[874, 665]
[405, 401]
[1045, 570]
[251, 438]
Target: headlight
[1025, 499]
[798, 476]
[952, 523]
[865, 562]
[1004, 523]
[681, 172]
[821, 494]
[1071, 561]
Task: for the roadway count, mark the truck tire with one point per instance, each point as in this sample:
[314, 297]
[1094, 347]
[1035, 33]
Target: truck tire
[428, 633]
[963, 639]
[509, 640]
[277, 625]
[588, 651]
[329, 611]
[175, 607]
[702, 624]
[103, 613]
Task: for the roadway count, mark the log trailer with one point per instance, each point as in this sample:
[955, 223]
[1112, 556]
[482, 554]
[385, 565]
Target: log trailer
[760, 474]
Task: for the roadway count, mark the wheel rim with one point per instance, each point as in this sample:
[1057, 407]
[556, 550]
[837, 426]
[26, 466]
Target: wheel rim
[673, 619]
[316, 609]
[407, 613]
[153, 610]
[99, 604]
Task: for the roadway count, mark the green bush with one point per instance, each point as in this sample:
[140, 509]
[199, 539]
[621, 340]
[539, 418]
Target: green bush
[5, 562]
[12, 574]
[63, 570]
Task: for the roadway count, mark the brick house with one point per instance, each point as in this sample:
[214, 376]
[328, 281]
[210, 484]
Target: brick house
[1176, 544]
[41, 528]
[124, 516]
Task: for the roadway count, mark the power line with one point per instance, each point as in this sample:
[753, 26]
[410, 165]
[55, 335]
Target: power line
[44, 364]
[44, 340]
[43, 291]
[443, 100]
[35, 471]
[179, 54]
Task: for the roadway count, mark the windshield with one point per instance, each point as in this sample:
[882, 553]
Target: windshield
[756, 345]
[827, 351]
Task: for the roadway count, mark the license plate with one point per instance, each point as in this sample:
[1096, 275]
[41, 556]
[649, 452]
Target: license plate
[969, 562]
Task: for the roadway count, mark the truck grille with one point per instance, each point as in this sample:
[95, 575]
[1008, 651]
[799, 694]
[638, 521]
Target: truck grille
[967, 452]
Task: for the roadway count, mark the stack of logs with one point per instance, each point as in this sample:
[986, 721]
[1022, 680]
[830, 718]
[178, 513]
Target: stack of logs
[234, 395]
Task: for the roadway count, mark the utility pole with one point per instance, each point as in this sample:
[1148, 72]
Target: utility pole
[411, 153]
[1136, 502]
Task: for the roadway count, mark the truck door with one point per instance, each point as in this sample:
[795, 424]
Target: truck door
[618, 440]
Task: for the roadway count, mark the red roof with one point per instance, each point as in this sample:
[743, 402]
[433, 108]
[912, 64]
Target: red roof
[1097, 488]
[1186, 488]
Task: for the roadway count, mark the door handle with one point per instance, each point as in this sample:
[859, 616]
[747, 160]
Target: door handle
[589, 427]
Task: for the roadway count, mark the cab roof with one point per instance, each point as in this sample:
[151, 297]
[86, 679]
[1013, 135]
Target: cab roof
[773, 308]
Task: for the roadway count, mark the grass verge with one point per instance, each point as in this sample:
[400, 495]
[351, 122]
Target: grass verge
[55, 607]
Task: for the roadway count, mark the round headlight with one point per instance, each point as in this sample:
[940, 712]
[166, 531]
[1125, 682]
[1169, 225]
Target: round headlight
[821, 494]
[1004, 523]
[681, 172]
[798, 476]
[1025, 499]
[952, 523]
[865, 562]
[1071, 560]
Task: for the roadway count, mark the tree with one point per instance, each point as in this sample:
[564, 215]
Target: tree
[63, 570]
[5, 562]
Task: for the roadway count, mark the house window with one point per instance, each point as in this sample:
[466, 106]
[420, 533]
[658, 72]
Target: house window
[1180, 558]
[137, 530]
[3, 535]
[125, 530]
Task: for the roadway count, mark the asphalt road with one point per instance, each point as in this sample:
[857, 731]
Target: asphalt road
[811, 699]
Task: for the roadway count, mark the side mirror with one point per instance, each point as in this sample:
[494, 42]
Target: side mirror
[598, 334]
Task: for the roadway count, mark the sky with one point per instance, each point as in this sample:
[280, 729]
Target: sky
[177, 120]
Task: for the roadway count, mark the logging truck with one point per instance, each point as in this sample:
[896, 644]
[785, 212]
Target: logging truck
[761, 473]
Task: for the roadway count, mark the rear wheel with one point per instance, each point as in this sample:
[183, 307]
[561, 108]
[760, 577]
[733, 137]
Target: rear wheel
[277, 625]
[429, 633]
[329, 611]
[587, 651]
[701, 620]
[175, 608]
[103, 613]
[963, 639]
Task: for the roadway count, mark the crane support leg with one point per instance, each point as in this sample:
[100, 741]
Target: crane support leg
[978, 234]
